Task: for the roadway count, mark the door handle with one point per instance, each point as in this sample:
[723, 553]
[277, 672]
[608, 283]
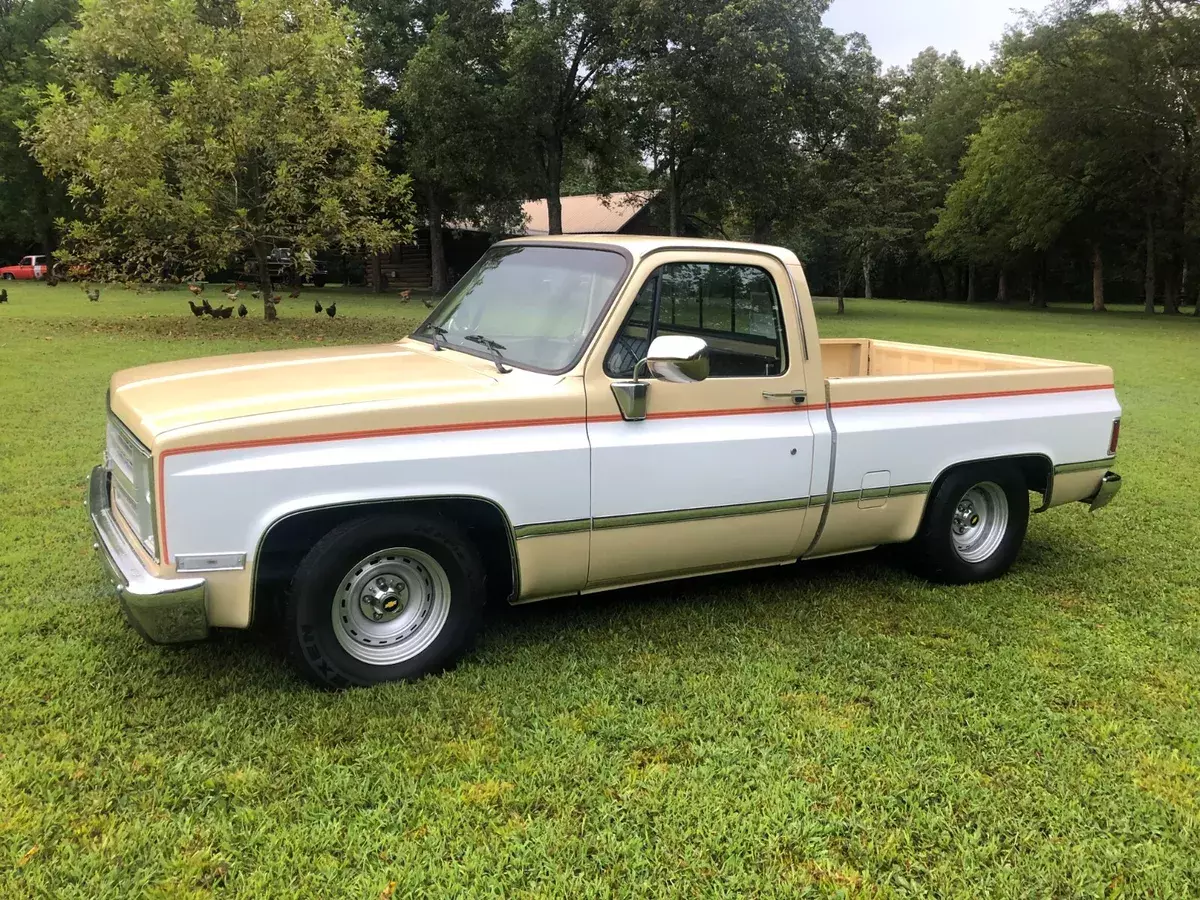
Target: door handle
[797, 397]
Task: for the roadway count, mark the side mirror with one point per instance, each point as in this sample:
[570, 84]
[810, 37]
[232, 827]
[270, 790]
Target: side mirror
[678, 359]
[675, 358]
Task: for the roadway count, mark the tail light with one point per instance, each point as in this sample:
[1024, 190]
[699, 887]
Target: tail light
[1116, 438]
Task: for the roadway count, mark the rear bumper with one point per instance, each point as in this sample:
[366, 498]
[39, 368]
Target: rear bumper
[163, 610]
[1109, 488]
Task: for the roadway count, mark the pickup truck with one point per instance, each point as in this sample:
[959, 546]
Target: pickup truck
[577, 415]
[30, 268]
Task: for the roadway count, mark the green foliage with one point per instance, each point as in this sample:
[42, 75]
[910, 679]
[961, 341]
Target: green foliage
[190, 134]
[835, 729]
[29, 202]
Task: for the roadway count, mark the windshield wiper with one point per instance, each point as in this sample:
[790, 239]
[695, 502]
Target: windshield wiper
[439, 335]
[494, 347]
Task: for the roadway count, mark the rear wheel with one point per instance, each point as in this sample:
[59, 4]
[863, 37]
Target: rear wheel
[8, 276]
[385, 598]
[974, 525]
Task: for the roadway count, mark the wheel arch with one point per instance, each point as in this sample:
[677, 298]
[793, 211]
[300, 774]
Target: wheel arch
[285, 541]
[1037, 469]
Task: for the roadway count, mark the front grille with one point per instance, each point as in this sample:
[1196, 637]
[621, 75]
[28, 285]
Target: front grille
[132, 481]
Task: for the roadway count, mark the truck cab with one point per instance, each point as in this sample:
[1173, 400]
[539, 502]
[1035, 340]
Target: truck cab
[577, 415]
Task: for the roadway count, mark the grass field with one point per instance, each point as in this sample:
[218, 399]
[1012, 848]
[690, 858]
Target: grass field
[832, 729]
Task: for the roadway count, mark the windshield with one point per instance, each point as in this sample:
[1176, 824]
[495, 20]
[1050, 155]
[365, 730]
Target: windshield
[536, 306]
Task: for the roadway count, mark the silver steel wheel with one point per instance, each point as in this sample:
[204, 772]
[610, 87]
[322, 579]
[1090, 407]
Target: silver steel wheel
[391, 606]
[980, 522]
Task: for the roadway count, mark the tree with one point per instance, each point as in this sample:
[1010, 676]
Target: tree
[189, 133]
[436, 67]
[29, 202]
[559, 57]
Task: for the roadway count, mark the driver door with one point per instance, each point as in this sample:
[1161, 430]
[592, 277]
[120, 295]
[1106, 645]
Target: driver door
[717, 477]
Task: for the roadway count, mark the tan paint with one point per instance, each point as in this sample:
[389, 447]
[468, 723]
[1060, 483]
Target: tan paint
[622, 556]
[884, 371]
[552, 565]
[849, 528]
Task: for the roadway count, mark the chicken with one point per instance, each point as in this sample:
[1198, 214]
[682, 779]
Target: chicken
[242, 310]
[405, 296]
[331, 309]
[4, 295]
[206, 306]
[94, 295]
[196, 289]
[429, 304]
[197, 311]
[294, 294]
[232, 296]
[277, 299]
[52, 280]
[223, 313]
[317, 307]
[229, 289]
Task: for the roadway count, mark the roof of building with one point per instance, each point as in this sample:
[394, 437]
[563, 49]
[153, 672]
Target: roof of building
[588, 213]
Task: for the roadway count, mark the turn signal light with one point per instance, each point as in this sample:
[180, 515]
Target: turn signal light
[1116, 438]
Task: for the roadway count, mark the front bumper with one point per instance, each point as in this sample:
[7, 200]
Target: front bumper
[163, 610]
[1109, 488]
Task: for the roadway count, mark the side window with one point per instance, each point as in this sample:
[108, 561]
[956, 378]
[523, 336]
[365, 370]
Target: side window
[736, 309]
[27, 261]
[633, 342]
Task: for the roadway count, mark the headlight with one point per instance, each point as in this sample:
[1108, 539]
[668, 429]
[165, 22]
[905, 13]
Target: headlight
[133, 482]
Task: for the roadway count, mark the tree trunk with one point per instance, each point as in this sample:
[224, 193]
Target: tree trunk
[1171, 290]
[1097, 278]
[941, 277]
[1002, 288]
[262, 251]
[841, 292]
[1037, 288]
[972, 283]
[437, 246]
[554, 166]
[867, 276]
[1151, 275]
[673, 196]
[377, 273]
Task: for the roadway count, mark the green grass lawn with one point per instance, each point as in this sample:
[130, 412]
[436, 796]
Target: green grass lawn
[832, 729]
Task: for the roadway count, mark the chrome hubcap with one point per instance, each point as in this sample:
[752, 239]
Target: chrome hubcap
[391, 606]
[980, 522]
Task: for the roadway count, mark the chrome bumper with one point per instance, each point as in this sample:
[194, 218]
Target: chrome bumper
[163, 610]
[1109, 488]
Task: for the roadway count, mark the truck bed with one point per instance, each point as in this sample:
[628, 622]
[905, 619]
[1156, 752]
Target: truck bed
[868, 371]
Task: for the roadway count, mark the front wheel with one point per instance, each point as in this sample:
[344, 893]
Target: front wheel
[386, 598]
[974, 525]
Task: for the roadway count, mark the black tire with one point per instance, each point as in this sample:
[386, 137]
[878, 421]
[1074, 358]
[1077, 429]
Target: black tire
[935, 553]
[8, 276]
[320, 281]
[312, 640]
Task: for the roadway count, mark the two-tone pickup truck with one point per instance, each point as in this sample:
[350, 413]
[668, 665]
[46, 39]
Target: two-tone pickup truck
[577, 415]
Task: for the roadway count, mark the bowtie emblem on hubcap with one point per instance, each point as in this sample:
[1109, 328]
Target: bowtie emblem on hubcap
[384, 598]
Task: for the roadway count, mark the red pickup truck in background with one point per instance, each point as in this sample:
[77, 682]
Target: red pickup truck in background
[30, 268]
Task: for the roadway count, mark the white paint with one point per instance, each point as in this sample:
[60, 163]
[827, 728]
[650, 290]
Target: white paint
[227, 498]
[919, 441]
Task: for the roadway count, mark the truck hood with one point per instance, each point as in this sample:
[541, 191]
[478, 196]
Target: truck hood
[266, 394]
